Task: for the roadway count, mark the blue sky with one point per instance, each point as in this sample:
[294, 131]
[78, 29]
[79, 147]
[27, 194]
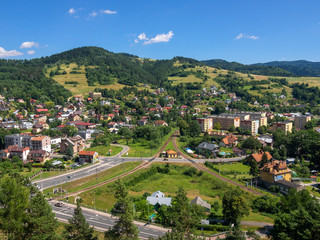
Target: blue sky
[247, 31]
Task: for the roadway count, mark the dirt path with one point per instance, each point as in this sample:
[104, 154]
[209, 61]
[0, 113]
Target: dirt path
[201, 167]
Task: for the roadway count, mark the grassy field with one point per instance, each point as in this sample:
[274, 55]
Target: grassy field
[26, 172]
[82, 87]
[48, 174]
[79, 184]
[204, 185]
[103, 150]
[169, 146]
[141, 149]
[233, 171]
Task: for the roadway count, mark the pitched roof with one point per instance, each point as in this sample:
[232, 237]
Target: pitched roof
[198, 201]
[87, 153]
[276, 167]
[171, 151]
[39, 138]
[160, 200]
[230, 139]
[258, 156]
[209, 146]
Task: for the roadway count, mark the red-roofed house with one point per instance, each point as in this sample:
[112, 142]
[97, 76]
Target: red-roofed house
[160, 123]
[87, 156]
[40, 110]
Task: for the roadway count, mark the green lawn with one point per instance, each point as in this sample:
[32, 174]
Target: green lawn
[48, 174]
[141, 148]
[235, 167]
[26, 172]
[227, 150]
[79, 184]
[169, 146]
[104, 150]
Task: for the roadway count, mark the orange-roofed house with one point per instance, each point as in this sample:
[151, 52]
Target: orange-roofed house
[229, 141]
[258, 156]
[87, 156]
[171, 154]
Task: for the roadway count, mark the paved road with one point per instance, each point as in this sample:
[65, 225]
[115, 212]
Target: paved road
[103, 221]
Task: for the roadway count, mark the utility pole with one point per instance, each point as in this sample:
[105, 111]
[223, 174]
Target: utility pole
[97, 174]
[61, 189]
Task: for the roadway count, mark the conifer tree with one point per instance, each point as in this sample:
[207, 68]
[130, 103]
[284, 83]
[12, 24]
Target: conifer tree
[78, 228]
[123, 208]
[41, 223]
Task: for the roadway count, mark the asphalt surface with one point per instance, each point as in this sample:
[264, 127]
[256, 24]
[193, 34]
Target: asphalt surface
[102, 221]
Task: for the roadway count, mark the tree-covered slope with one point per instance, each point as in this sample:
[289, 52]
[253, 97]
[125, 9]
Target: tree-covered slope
[26, 79]
[299, 68]
[250, 69]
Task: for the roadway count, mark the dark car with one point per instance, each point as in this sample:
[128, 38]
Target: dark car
[59, 204]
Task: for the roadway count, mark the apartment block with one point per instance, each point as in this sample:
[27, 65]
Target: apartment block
[21, 140]
[286, 126]
[300, 121]
[205, 124]
[225, 121]
[41, 143]
[251, 125]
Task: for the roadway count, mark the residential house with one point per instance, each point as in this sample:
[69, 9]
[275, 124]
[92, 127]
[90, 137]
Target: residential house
[205, 148]
[160, 123]
[229, 141]
[142, 122]
[95, 95]
[87, 157]
[157, 199]
[38, 156]
[85, 134]
[39, 127]
[41, 143]
[258, 156]
[74, 117]
[198, 201]
[77, 143]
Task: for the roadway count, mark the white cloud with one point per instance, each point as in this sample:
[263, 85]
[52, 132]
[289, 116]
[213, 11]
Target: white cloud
[29, 45]
[136, 40]
[93, 14]
[162, 37]
[31, 52]
[108, 11]
[143, 36]
[246, 36]
[10, 53]
[71, 11]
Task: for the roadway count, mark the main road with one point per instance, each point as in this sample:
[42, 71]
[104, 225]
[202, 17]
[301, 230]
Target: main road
[103, 221]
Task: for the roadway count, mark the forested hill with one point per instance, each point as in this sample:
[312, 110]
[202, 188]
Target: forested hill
[27, 80]
[299, 68]
[250, 69]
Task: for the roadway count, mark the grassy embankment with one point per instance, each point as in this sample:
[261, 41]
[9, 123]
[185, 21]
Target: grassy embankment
[73, 186]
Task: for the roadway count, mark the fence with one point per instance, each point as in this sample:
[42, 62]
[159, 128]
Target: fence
[51, 170]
